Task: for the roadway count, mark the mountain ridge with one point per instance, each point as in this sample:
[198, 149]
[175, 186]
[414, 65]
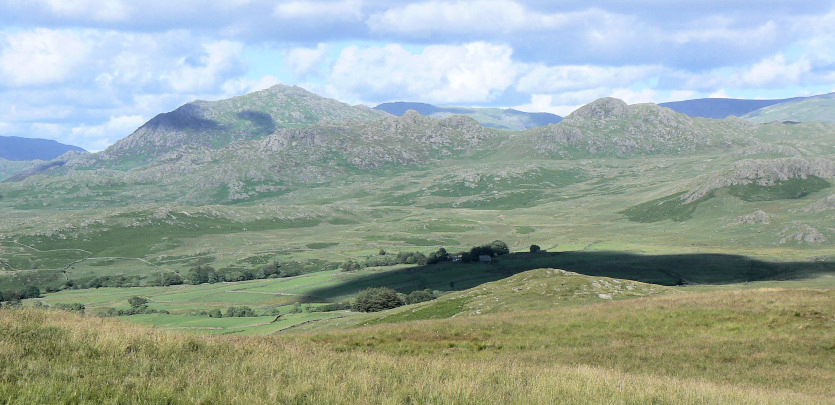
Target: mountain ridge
[15, 148]
[497, 118]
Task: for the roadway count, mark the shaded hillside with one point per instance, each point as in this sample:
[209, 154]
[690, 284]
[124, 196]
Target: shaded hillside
[20, 149]
[489, 117]
[10, 167]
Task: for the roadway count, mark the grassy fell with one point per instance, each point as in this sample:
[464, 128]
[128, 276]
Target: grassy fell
[719, 347]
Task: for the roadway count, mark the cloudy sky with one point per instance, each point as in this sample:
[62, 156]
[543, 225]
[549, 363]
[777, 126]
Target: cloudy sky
[89, 72]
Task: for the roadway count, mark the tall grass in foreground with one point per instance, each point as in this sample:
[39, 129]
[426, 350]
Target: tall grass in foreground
[756, 346]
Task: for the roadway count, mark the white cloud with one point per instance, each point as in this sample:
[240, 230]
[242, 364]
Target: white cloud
[463, 17]
[721, 93]
[96, 10]
[47, 130]
[472, 72]
[42, 56]
[240, 85]
[208, 71]
[306, 60]
[100, 136]
[772, 71]
[719, 29]
[328, 10]
[545, 103]
[633, 97]
[552, 79]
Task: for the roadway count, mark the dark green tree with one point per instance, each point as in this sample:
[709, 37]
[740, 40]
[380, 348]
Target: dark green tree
[419, 296]
[376, 299]
[350, 265]
[535, 248]
[499, 247]
[31, 291]
[436, 257]
[137, 302]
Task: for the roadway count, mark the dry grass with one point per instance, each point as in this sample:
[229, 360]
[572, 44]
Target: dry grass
[757, 346]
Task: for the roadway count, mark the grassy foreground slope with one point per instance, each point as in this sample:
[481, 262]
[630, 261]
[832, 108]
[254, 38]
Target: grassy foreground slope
[751, 346]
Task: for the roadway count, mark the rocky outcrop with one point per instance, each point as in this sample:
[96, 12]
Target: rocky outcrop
[609, 126]
[802, 233]
[755, 218]
[764, 172]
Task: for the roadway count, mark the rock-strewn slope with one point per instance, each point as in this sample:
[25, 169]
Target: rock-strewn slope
[609, 126]
[214, 124]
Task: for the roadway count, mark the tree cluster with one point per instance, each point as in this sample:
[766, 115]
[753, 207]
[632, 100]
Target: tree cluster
[231, 312]
[165, 279]
[376, 299]
[384, 259]
[138, 305]
[73, 307]
[14, 296]
[494, 248]
[335, 306]
[417, 296]
[208, 274]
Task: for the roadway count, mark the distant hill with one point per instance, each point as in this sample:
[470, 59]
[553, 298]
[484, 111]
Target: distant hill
[20, 149]
[803, 109]
[489, 117]
[818, 108]
[720, 107]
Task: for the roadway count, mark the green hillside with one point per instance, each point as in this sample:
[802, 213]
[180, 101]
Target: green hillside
[631, 179]
[813, 109]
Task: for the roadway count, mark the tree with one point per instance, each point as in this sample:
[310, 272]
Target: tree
[436, 257]
[499, 247]
[31, 291]
[201, 274]
[376, 299]
[419, 296]
[137, 302]
[535, 248]
[215, 313]
[75, 307]
[350, 265]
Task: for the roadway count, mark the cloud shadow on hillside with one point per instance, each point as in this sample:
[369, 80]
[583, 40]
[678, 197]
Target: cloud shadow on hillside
[678, 269]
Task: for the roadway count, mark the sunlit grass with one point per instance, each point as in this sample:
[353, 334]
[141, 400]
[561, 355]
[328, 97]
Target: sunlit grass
[741, 346]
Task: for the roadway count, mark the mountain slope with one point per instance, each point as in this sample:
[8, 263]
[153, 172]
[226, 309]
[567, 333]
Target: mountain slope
[489, 117]
[205, 124]
[819, 108]
[20, 149]
[610, 176]
[609, 126]
[718, 108]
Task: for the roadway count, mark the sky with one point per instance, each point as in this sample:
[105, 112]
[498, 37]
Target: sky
[89, 72]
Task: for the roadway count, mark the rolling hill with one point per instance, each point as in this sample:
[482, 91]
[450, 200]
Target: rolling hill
[720, 107]
[819, 108]
[610, 177]
[489, 117]
[797, 109]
